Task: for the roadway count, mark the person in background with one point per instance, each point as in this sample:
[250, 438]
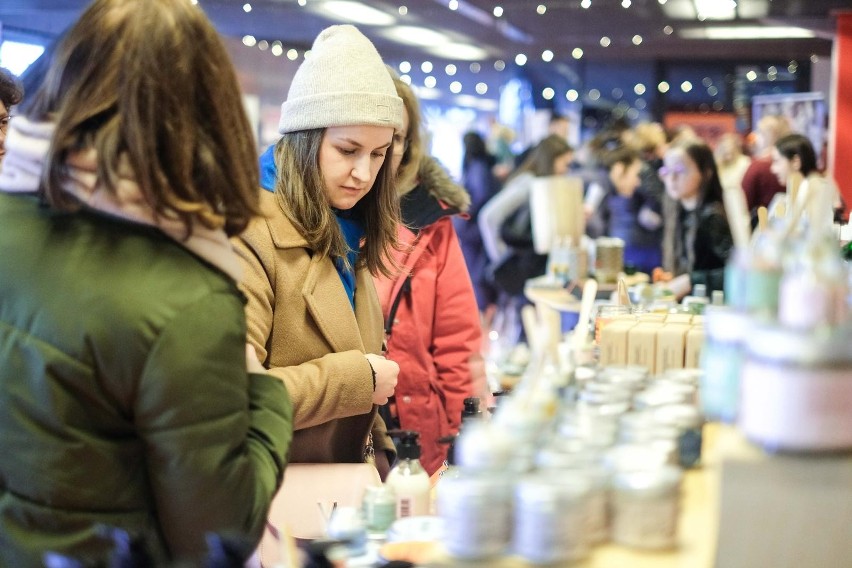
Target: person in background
[794, 153]
[481, 184]
[500, 139]
[11, 94]
[506, 225]
[628, 213]
[131, 399]
[330, 224]
[759, 183]
[702, 238]
[557, 126]
[431, 321]
[552, 157]
[731, 163]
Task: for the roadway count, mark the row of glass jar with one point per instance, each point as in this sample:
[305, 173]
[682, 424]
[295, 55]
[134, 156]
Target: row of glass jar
[556, 473]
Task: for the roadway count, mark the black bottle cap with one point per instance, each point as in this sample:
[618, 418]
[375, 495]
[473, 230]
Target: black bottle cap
[471, 408]
[409, 445]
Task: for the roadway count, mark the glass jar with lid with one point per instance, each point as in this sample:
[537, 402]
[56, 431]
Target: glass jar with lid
[797, 389]
[646, 505]
[722, 359]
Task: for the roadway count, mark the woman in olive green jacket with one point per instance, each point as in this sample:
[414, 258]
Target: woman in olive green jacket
[125, 397]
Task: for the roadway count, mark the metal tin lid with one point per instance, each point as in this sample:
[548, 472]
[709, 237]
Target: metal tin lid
[688, 376]
[609, 242]
[680, 415]
[723, 323]
[582, 374]
[648, 482]
[635, 370]
[635, 457]
[669, 386]
[820, 347]
[604, 394]
[550, 487]
[656, 397]
[617, 390]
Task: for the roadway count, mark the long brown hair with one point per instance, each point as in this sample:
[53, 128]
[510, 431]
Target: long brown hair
[406, 175]
[541, 159]
[150, 82]
[300, 190]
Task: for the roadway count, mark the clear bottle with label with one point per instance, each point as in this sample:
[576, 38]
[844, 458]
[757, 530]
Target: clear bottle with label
[408, 479]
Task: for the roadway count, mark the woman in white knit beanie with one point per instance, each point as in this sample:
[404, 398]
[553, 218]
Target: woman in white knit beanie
[330, 221]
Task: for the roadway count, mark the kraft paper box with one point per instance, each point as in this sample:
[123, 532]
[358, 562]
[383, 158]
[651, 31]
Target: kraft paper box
[613, 346]
[652, 317]
[694, 342]
[642, 344]
[679, 318]
[671, 346]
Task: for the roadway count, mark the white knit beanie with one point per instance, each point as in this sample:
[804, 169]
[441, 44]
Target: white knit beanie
[342, 83]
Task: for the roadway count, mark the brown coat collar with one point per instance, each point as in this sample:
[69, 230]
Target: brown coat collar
[325, 301]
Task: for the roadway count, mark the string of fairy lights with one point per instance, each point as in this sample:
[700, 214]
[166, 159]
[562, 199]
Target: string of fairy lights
[435, 74]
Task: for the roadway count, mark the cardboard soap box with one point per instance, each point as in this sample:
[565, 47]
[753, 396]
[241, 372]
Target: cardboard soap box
[613, 347]
[694, 343]
[642, 344]
[671, 347]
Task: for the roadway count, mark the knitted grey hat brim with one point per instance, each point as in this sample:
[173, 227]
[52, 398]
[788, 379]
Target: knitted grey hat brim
[327, 109]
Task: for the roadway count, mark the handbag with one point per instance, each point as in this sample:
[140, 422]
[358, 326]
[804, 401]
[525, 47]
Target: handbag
[510, 273]
[305, 501]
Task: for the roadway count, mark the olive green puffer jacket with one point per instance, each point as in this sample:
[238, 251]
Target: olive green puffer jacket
[124, 395]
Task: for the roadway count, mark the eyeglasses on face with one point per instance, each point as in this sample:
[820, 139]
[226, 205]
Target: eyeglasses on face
[677, 170]
[4, 123]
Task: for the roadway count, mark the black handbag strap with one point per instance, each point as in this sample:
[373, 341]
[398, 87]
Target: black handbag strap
[404, 289]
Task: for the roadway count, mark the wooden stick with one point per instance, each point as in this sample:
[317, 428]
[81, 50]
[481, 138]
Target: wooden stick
[794, 181]
[623, 297]
[762, 218]
[587, 302]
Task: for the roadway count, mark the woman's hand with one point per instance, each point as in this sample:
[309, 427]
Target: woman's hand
[680, 285]
[252, 362]
[386, 372]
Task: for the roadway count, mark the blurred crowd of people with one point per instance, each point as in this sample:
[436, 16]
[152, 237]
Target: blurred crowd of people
[180, 322]
[660, 190]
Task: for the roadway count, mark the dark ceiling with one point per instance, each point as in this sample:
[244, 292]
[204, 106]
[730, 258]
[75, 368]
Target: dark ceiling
[564, 25]
[528, 27]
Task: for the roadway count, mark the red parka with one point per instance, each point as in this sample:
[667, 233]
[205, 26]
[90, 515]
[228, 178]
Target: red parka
[435, 332]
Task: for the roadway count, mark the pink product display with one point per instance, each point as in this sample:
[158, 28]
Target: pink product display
[797, 389]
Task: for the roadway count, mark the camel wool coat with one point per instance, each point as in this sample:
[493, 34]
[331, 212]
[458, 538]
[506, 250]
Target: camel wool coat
[305, 332]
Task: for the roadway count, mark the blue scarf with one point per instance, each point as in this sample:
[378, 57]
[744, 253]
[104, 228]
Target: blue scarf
[352, 228]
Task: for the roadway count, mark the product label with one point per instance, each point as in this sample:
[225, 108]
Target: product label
[404, 507]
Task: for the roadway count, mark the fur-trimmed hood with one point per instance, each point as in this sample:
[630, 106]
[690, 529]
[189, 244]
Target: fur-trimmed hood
[440, 185]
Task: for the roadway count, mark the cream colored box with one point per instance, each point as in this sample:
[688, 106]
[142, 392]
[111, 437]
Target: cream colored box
[679, 318]
[697, 319]
[671, 346]
[694, 343]
[642, 344]
[613, 346]
[652, 317]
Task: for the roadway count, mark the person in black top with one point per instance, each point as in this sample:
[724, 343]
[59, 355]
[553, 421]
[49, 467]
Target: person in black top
[699, 240]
